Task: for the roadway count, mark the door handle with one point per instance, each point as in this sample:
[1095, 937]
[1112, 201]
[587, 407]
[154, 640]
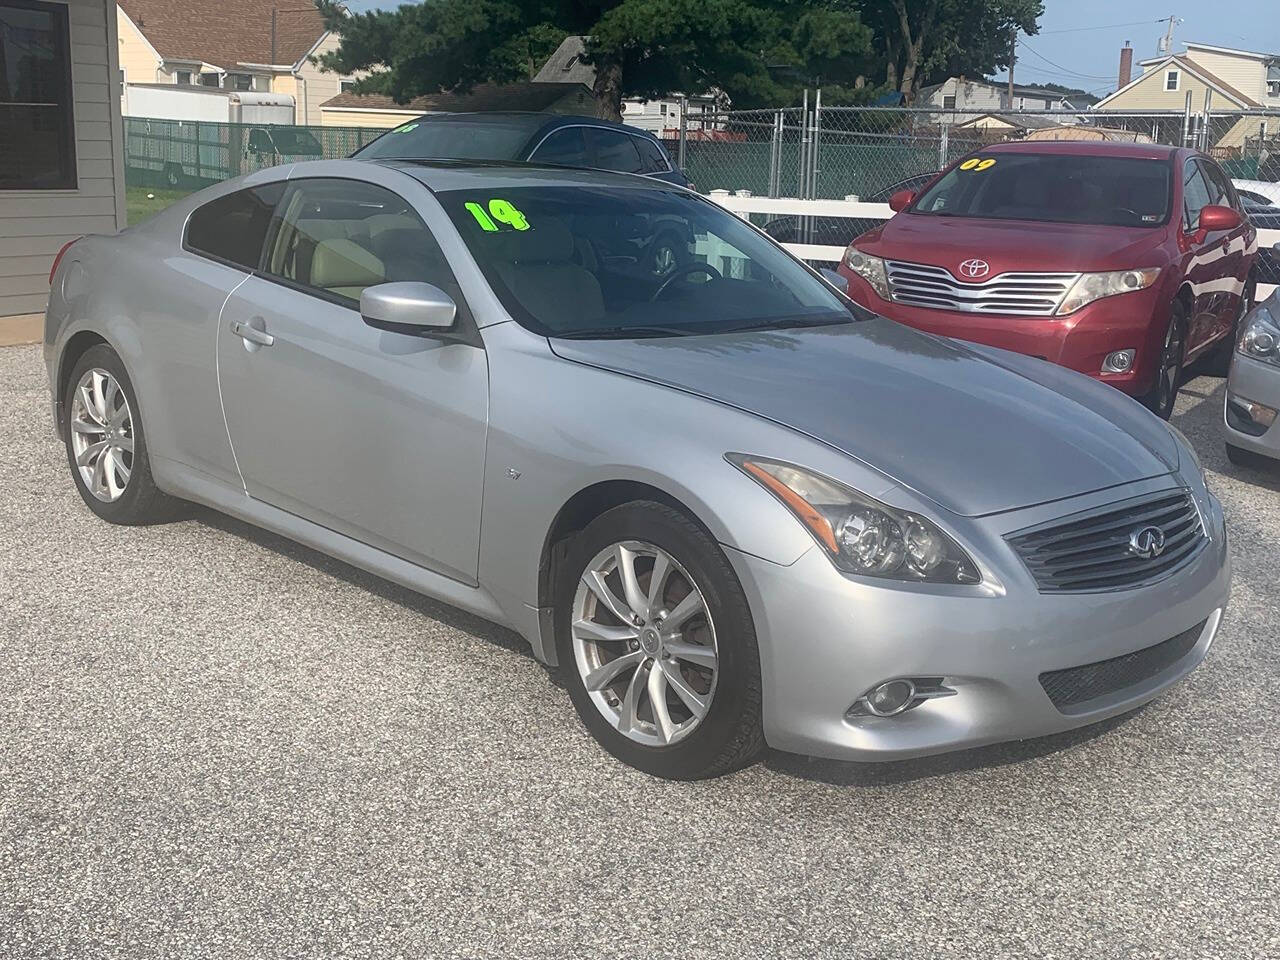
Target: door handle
[251, 334]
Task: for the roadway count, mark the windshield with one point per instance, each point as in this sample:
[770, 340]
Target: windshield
[593, 261]
[1110, 191]
[296, 142]
[494, 139]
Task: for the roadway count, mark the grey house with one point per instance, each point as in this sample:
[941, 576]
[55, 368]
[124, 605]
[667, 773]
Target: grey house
[61, 164]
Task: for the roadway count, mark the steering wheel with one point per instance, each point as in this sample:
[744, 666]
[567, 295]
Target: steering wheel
[696, 267]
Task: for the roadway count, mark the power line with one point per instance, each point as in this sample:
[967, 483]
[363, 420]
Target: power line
[1065, 70]
[1110, 26]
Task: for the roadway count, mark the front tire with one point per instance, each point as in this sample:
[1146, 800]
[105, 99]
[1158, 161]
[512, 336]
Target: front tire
[1163, 395]
[657, 645]
[106, 446]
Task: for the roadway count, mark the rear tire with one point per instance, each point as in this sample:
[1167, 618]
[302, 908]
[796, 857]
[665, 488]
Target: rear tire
[105, 443]
[1241, 457]
[1163, 395]
[708, 717]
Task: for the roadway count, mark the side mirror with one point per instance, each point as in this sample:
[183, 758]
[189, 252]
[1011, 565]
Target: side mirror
[1216, 217]
[836, 280]
[408, 307]
[901, 200]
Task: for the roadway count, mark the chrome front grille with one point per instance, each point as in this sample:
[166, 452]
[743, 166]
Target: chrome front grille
[1023, 294]
[1093, 550]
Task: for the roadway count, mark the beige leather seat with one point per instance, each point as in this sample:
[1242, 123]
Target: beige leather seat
[538, 268]
[345, 268]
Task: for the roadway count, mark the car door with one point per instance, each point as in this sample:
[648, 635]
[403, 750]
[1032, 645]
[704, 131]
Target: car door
[377, 435]
[1232, 264]
[613, 150]
[1203, 259]
[566, 147]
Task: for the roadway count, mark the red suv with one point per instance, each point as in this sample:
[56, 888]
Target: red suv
[1121, 261]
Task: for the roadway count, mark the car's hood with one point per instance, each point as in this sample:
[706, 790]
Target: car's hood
[975, 429]
[1009, 244]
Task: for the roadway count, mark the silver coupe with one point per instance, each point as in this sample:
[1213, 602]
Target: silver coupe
[733, 507]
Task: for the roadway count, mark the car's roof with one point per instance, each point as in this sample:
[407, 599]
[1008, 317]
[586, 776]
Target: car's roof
[1086, 148]
[444, 175]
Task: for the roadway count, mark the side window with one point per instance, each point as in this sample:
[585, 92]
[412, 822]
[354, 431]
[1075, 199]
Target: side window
[566, 148]
[613, 150]
[1220, 190]
[1195, 194]
[260, 141]
[336, 237]
[233, 228]
[651, 156]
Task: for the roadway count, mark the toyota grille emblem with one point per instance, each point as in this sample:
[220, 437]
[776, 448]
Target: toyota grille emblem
[973, 269]
[1147, 543]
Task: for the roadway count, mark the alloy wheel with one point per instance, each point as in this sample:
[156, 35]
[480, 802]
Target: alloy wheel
[102, 435]
[644, 643]
[1170, 366]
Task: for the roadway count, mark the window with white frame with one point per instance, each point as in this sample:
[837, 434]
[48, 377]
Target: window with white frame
[240, 81]
[1171, 80]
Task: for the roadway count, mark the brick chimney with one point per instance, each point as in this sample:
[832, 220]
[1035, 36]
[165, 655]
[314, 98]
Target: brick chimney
[1126, 65]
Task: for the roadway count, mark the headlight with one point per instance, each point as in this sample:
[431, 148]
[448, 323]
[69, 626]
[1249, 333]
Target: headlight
[1260, 338]
[870, 269]
[1095, 286]
[859, 534]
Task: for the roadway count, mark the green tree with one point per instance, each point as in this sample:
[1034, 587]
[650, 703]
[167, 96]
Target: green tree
[757, 51]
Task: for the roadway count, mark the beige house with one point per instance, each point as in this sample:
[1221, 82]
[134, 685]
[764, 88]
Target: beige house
[61, 169]
[377, 110]
[231, 44]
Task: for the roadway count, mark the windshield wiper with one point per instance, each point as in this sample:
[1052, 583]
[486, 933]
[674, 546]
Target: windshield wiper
[625, 333]
[790, 323]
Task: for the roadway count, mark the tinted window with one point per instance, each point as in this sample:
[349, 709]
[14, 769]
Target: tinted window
[1219, 189]
[1115, 191]
[37, 143]
[566, 147]
[337, 237]
[1195, 194]
[613, 151]
[500, 138]
[603, 261]
[233, 228]
[652, 158]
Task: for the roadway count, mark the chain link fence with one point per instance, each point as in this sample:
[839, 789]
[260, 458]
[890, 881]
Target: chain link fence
[185, 155]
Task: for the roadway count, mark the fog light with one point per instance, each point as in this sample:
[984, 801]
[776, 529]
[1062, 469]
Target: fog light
[890, 698]
[1248, 416]
[1121, 361]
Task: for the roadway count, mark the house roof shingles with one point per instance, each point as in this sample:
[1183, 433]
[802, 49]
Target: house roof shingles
[483, 97]
[229, 32]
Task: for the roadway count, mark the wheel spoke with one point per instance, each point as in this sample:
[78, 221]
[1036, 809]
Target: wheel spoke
[96, 391]
[605, 674]
[590, 630]
[696, 702]
[121, 470]
[658, 581]
[631, 703]
[658, 699]
[91, 451]
[595, 583]
[636, 599]
[109, 463]
[121, 416]
[693, 653]
[111, 392]
[123, 443]
[86, 401]
[98, 482]
[686, 608]
[86, 426]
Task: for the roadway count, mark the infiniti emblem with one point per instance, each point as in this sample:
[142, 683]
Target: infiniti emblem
[1147, 543]
[973, 269]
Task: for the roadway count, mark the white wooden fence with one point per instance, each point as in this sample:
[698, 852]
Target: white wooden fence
[818, 253]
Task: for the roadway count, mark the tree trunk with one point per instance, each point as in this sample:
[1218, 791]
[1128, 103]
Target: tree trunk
[608, 91]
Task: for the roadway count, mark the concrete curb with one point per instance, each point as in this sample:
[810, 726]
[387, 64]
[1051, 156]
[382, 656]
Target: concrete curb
[27, 328]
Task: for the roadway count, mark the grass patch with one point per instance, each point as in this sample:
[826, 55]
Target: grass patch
[143, 202]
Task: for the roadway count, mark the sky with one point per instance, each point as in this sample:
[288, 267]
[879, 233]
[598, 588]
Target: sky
[1079, 41]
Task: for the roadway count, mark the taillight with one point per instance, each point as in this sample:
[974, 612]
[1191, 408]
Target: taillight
[58, 259]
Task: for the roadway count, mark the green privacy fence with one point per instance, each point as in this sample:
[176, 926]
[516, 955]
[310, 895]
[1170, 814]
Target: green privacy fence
[189, 154]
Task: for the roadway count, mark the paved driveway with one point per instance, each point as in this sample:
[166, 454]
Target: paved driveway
[216, 743]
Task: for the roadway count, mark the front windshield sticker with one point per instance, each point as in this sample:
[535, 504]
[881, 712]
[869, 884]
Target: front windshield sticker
[978, 164]
[500, 212]
[406, 128]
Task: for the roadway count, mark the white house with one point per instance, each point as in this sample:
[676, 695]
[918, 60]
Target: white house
[61, 165]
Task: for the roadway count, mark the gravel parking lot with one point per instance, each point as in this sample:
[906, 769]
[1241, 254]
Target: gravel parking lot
[216, 743]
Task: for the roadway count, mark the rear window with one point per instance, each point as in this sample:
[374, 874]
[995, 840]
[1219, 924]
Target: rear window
[233, 228]
[497, 139]
[1108, 191]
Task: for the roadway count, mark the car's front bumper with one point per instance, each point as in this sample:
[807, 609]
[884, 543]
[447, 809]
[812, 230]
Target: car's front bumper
[826, 639]
[1259, 382]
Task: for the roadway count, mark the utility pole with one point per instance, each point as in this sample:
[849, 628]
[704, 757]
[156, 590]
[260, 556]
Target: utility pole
[1166, 42]
[1013, 58]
